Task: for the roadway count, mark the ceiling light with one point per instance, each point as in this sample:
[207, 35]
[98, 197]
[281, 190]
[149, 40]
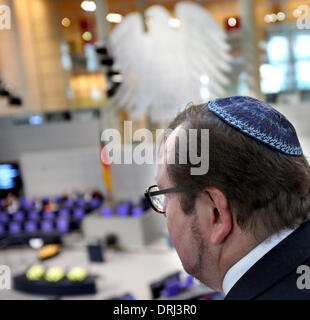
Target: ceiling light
[267, 18]
[273, 17]
[88, 6]
[232, 22]
[281, 16]
[87, 36]
[114, 17]
[174, 23]
[66, 22]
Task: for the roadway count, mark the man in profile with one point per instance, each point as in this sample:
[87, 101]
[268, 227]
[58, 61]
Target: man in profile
[241, 228]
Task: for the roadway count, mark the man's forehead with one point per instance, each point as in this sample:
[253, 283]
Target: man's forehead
[170, 142]
[168, 149]
[160, 172]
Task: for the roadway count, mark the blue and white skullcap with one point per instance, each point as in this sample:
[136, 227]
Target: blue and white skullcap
[258, 120]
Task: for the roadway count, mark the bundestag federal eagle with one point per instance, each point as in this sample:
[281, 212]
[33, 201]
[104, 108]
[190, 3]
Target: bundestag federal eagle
[162, 66]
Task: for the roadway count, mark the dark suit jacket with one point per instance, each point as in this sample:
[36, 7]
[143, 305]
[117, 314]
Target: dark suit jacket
[274, 276]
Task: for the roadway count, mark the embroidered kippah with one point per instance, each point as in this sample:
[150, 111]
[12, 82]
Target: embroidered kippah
[258, 120]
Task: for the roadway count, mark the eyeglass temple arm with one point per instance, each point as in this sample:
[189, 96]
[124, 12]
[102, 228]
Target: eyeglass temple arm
[170, 190]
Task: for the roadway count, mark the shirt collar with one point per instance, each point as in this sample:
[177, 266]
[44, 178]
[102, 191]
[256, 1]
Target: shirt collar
[245, 263]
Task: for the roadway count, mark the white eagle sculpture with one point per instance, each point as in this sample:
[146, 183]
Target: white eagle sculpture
[162, 67]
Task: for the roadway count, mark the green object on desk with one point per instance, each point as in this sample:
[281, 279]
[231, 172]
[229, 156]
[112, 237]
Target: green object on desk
[35, 273]
[77, 274]
[54, 274]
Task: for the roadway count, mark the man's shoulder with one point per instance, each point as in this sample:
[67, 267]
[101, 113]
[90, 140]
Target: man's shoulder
[293, 286]
[275, 275]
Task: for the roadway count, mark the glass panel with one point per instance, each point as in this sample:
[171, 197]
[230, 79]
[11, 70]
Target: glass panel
[278, 49]
[273, 77]
[303, 74]
[302, 46]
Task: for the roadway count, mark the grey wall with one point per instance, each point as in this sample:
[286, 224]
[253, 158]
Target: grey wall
[17, 139]
[79, 169]
[54, 157]
[61, 171]
[63, 157]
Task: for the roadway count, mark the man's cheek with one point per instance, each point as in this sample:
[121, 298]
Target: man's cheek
[171, 224]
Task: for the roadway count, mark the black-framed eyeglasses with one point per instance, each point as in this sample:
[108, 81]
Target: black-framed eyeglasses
[156, 197]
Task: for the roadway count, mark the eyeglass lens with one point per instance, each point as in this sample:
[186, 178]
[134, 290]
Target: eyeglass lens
[158, 200]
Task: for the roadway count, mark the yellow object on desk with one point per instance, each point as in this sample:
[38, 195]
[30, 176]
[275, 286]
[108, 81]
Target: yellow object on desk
[49, 251]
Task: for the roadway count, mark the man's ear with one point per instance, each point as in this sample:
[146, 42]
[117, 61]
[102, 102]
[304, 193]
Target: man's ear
[221, 217]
